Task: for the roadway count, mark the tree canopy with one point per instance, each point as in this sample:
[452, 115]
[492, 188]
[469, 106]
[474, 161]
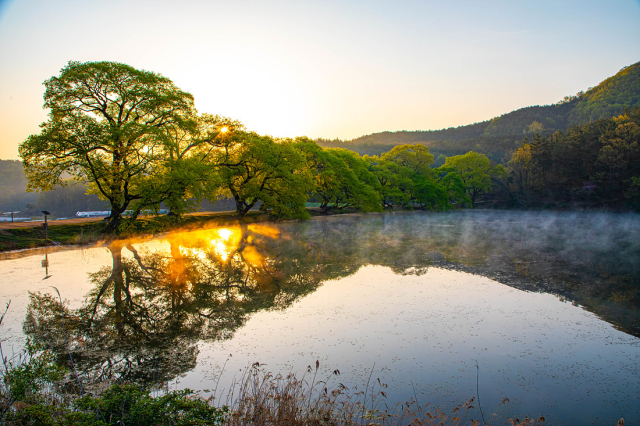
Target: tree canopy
[589, 165]
[254, 169]
[475, 171]
[107, 124]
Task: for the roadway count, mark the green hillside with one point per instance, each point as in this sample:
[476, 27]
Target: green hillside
[497, 136]
[609, 98]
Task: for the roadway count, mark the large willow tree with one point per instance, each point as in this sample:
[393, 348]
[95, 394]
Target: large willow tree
[107, 125]
[260, 170]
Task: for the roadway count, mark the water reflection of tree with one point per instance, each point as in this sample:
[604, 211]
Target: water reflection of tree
[146, 312]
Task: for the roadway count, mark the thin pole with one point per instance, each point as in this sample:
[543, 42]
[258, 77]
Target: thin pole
[46, 240]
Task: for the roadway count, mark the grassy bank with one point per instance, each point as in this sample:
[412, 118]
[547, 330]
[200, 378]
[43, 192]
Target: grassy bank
[26, 237]
[91, 232]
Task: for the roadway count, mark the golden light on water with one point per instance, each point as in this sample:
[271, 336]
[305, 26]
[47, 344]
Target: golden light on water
[225, 233]
[251, 255]
[221, 249]
[193, 252]
[265, 230]
[224, 243]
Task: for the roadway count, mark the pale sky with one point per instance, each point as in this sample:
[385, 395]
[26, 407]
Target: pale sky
[331, 69]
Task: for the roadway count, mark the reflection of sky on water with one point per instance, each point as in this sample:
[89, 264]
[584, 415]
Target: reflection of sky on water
[547, 357]
[434, 307]
[68, 270]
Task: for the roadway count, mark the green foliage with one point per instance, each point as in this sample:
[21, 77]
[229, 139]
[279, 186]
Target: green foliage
[129, 404]
[405, 178]
[179, 181]
[124, 404]
[619, 157]
[394, 182]
[475, 171]
[521, 167]
[439, 161]
[357, 185]
[534, 127]
[594, 164]
[453, 184]
[34, 370]
[138, 142]
[107, 124]
[256, 169]
[609, 98]
[341, 178]
[430, 195]
[415, 157]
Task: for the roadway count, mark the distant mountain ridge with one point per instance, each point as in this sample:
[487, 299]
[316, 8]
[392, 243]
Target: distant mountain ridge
[496, 136]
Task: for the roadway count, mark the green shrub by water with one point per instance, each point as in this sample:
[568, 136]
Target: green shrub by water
[121, 405]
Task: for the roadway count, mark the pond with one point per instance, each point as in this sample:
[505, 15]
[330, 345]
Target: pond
[540, 308]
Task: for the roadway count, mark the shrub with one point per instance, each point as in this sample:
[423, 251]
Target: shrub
[122, 405]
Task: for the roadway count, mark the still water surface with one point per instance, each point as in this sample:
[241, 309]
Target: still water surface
[544, 305]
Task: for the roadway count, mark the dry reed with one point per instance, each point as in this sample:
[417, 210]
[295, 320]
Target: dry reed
[259, 398]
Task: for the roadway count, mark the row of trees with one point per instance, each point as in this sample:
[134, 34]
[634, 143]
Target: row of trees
[595, 164]
[138, 141]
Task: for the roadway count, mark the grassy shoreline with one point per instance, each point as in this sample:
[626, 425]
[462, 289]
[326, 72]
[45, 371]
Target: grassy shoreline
[90, 232]
[28, 237]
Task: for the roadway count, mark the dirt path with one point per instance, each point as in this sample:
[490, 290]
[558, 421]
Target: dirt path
[13, 225]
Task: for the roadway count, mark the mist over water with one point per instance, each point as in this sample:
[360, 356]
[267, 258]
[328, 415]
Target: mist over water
[546, 303]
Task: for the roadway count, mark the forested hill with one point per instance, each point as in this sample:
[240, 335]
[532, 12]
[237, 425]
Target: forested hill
[13, 184]
[63, 201]
[498, 136]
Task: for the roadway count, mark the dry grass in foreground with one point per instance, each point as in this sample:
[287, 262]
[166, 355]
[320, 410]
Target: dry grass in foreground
[261, 398]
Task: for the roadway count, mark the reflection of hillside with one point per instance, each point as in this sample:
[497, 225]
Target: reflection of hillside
[591, 260]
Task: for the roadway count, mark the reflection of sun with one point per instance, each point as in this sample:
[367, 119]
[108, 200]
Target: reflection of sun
[224, 233]
[223, 243]
[221, 250]
[220, 246]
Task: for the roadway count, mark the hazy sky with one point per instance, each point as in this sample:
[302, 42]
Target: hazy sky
[323, 68]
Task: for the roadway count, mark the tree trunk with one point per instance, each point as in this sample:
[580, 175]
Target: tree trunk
[113, 223]
[242, 208]
[115, 219]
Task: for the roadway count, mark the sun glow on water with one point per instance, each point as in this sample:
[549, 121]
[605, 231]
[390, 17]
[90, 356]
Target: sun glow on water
[225, 233]
[221, 250]
[223, 243]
